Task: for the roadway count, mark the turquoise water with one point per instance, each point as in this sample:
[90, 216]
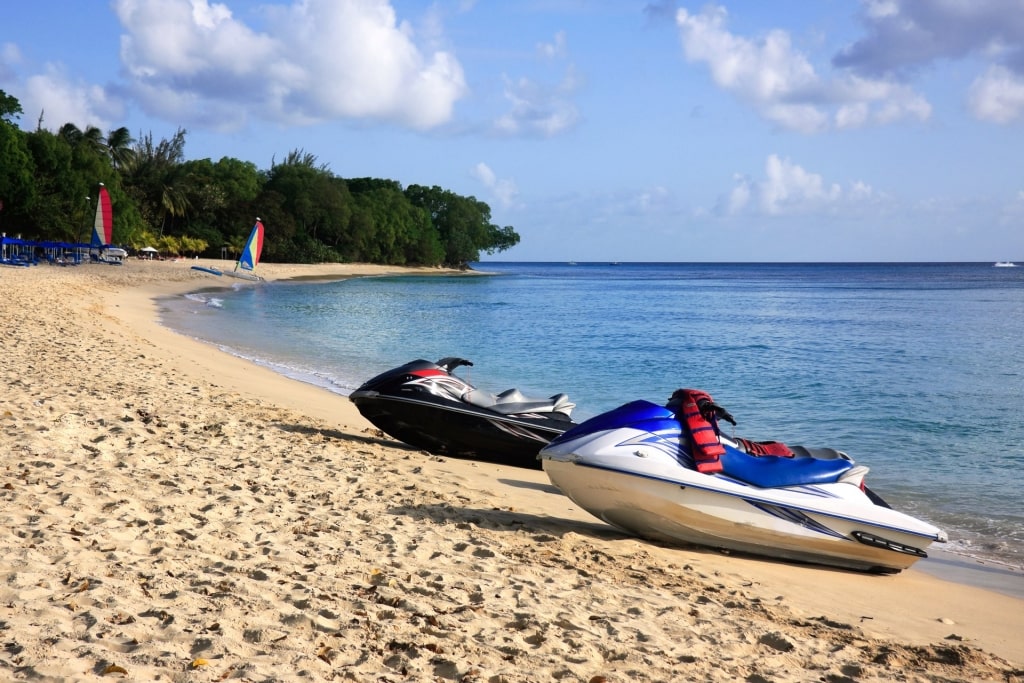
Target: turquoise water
[916, 370]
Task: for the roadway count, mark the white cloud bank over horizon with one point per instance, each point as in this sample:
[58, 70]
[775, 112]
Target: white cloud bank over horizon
[788, 189]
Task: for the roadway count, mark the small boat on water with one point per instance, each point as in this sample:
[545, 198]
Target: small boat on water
[667, 473]
[426, 405]
[1005, 264]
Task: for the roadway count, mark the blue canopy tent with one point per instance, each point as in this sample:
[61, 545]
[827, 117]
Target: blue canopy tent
[15, 251]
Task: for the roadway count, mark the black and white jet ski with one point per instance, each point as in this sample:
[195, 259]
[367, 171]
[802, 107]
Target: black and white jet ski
[667, 473]
[425, 405]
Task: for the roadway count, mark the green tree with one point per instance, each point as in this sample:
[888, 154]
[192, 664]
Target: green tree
[169, 244]
[10, 108]
[119, 147]
[463, 224]
[48, 186]
[309, 207]
[59, 207]
[17, 168]
[154, 180]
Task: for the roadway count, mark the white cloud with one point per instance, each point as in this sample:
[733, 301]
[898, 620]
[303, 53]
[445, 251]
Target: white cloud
[542, 109]
[59, 100]
[787, 188]
[784, 86]
[505, 191]
[318, 60]
[906, 34]
[739, 197]
[556, 48]
[10, 54]
[654, 199]
[997, 96]
[539, 109]
[903, 36]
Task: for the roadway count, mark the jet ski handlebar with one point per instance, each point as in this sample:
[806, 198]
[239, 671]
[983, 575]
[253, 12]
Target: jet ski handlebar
[451, 362]
[710, 408]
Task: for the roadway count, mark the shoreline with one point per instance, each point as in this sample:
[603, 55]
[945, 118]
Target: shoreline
[163, 488]
[949, 565]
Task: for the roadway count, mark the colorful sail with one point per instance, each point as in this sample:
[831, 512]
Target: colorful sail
[253, 248]
[103, 226]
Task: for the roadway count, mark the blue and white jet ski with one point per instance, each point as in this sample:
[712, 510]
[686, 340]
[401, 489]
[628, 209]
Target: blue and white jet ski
[638, 468]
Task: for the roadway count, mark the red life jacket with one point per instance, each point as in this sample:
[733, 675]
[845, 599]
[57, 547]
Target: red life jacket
[704, 443]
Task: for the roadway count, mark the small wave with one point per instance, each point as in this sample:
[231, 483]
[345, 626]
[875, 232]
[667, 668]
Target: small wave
[309, 376]
[214, 302]
[985, 553]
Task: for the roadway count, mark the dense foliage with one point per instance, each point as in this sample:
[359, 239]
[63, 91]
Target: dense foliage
[48, 187]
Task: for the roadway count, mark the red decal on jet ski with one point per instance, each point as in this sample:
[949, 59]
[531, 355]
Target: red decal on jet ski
[428, 373]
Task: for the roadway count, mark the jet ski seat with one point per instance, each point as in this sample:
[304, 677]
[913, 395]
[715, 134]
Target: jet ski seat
[512, 402]
[771, 471]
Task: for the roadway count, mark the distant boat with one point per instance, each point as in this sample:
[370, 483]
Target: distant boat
[1005, 264]
[247, 261]
[103, 232]
[250, 257]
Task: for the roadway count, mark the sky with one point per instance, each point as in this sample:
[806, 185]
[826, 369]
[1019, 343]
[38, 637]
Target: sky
[601, 130]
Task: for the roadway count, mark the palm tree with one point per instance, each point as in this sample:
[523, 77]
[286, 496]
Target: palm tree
[151, 172]
[174, 202]
[119, 147]
[236, 244]
[70, 133]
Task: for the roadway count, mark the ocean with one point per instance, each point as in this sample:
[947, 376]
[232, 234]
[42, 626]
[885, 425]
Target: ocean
[915, 369]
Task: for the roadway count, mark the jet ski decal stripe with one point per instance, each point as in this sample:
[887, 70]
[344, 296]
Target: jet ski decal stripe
[799, 518]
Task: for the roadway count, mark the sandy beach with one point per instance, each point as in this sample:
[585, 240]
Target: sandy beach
[174, 513]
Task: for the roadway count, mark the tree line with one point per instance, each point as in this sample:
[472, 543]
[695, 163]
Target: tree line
[49, 181]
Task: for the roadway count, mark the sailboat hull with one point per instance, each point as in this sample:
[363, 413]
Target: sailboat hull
[243, 275]
[211, 271]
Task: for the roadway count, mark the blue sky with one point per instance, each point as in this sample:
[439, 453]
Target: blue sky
[837, 130]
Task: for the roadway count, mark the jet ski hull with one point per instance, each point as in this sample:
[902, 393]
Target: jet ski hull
[444, 429]
[425, 405]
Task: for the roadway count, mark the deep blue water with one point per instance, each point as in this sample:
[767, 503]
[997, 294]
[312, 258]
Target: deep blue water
[916, 370]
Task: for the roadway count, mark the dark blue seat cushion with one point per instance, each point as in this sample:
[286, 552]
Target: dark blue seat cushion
[770, 471]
